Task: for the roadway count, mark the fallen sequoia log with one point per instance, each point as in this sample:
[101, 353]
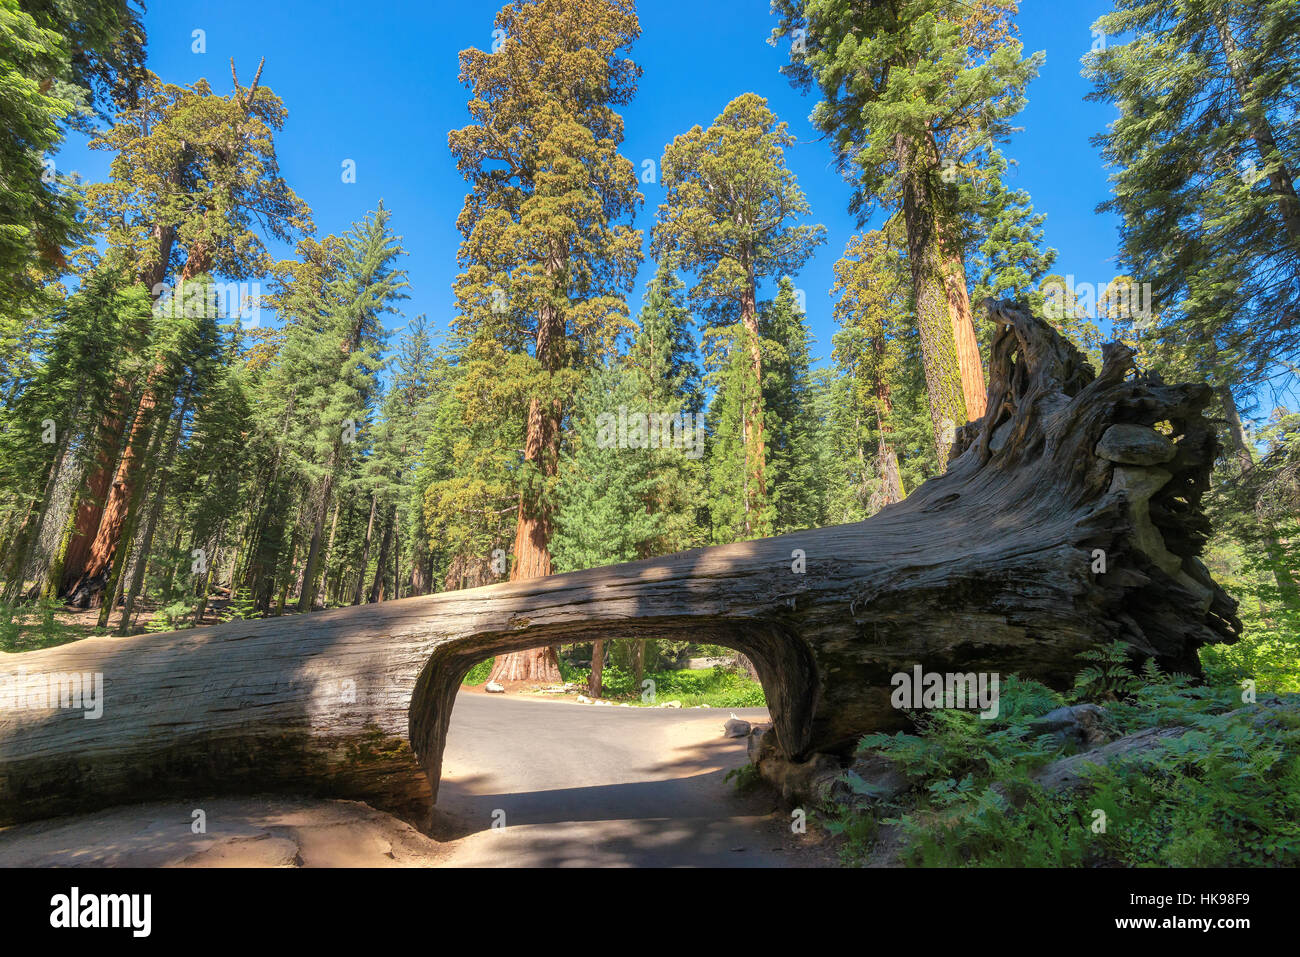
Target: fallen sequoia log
[995, 566]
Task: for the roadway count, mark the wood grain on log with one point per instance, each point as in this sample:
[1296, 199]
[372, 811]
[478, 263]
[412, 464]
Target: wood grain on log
[987, 568]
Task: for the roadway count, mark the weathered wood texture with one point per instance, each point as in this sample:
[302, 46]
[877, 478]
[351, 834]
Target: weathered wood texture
[986, 568]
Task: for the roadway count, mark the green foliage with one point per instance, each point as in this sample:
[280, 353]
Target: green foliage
[240, 608]
[716, 687]
[479, 674]
[32, 626]
[1222, 793]
[745, 778]
[1202, 147]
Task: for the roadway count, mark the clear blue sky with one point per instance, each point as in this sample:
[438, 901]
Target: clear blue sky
[377, 83]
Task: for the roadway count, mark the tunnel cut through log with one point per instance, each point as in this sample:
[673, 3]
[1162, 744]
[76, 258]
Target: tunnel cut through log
[990, 567]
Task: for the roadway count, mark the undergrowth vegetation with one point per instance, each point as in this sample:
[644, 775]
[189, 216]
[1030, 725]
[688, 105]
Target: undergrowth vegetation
[1222, 791]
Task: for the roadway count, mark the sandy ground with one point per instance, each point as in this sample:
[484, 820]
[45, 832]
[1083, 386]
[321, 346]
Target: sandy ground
[240, 832]
[573, 785]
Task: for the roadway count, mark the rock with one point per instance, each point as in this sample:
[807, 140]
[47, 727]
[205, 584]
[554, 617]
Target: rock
[671, 704]
[735, 727]
[1135, 445]
[1081, 724]
[870, 778]
[583, 699]
[493, 688]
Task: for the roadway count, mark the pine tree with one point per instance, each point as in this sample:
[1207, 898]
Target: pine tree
[731, 216]
[194, 172]
[871, 307]
[791, 407]
[1205, 150]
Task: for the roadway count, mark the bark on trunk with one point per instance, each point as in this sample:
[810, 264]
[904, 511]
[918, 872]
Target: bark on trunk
[943, 379]
[595, 684]
[533, 529]
[86, 592]
[989, 568]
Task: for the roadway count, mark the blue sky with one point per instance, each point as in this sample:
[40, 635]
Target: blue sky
[377, 83]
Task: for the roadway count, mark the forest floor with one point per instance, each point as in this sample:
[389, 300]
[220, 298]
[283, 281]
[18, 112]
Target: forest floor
[570, 785]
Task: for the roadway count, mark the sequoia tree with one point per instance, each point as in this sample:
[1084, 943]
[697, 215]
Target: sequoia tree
[731, 216]
[193, 174]
[912, 92]
[548, 253]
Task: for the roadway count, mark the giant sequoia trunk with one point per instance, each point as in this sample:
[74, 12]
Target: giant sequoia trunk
[933, 293]
[991, 567]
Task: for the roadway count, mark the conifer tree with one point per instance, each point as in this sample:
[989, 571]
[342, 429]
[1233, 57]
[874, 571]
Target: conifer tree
[548, 253]
[913, 93]
[731, 216]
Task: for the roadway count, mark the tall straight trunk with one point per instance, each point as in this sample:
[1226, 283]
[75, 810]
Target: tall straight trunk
[287, 580]
[308, 596]
[534, 527]
[891, 477]
[365, 552]
[120, 496]
[595, 685]
[1279, 177]
[942, 368]
[638, 661]
[381, 565]
[115, 574]
[963, 324]
[58, 465]
[205, 583]
[756, 523]
[91, 507]
[397, 557]
[151, 521]
[19, 550]
[54, 575]
[974, 391]
[329, 553]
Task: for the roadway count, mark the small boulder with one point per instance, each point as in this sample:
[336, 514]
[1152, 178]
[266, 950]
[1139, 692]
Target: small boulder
[493, 688]
[583, 699]
[735, 727]
[1081, 724]
[671, 704]
[1130, 444]
[870, 778]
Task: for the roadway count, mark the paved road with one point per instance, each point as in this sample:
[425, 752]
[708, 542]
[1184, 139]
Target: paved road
[582, 785]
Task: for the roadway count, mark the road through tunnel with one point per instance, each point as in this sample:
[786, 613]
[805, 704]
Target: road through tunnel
[784, 663]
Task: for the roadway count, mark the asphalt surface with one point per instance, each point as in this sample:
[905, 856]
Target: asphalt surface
[550, 783]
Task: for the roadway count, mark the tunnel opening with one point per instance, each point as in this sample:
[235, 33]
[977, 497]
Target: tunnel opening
[784, 664]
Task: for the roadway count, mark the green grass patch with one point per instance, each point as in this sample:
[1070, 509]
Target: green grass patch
[716, 687]
[28, 627]
[479, 673]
